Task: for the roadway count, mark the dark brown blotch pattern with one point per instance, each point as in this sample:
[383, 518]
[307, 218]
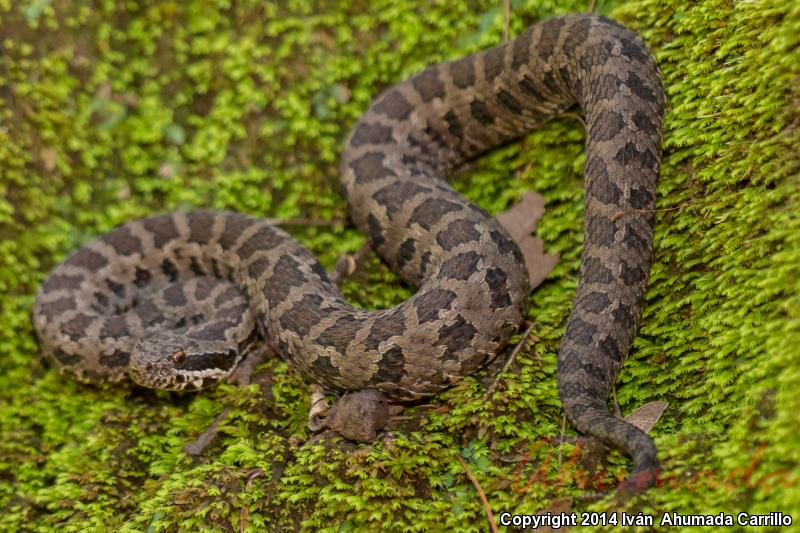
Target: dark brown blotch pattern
[124, 242]
[284, 279]
[200, 226]
[453, 336]
[371, 134]
[370, 167]
[388, 325]
[339, 335]
[57, 307]
[141, 277]
[265, 239]
[496, 279]
[391, 366]
[460, 267]
[429, 303]
[456, 233]
[462, 71]
[394, 105]
[428, 84]
[431, 211]
[88, 259]
[493, 63]
[481, 112]
[116, 359]
[175, 296]
[395, 195]
[162, 228]
[406, 252]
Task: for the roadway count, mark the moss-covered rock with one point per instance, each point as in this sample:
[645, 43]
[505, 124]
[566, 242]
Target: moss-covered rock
[112, 110]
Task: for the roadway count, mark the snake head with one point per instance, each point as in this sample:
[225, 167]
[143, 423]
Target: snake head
[173, 361]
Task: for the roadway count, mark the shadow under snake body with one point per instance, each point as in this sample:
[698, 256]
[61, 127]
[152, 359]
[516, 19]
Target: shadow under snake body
[174, 301]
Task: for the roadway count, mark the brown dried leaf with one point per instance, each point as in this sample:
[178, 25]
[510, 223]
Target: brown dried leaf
[538, 262]
[647, 415]
[520, 221]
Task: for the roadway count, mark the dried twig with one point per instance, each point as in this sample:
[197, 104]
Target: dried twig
[590, 9]
[198, 446]
[306, 222]
[506, 17]
[575, 116]
[511, 358]
[489, 514]
[243, 375]
[245, 516]
[347, 264]
[620, 214]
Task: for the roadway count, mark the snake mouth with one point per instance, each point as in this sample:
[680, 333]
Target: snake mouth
[196, 380]
[166, 377]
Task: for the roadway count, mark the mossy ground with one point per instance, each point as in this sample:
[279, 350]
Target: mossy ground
[113, 110]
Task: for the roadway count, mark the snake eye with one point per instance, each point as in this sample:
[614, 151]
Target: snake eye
[178, 356]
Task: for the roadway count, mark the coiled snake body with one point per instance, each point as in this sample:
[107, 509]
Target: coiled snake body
[174, 300]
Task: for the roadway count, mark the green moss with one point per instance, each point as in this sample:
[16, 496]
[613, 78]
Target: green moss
[119, 110]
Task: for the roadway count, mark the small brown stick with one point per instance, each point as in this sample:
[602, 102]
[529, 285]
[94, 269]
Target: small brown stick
[576, 117]
[347, 264]
[620, 214]
[245, 516]
[511, 357]
[506, 18]
[305, 222]
[243, 375]
[489, 514]
[198, 446]
[590, 9]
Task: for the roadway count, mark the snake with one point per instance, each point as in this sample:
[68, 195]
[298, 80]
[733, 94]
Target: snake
[174, 301]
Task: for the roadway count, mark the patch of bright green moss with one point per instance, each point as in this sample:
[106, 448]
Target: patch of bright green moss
[114, 110]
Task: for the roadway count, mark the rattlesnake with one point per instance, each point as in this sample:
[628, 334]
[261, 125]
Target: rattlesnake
[125, 304]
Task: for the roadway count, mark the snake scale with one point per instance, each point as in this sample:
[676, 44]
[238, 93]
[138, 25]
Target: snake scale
[173, 301]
